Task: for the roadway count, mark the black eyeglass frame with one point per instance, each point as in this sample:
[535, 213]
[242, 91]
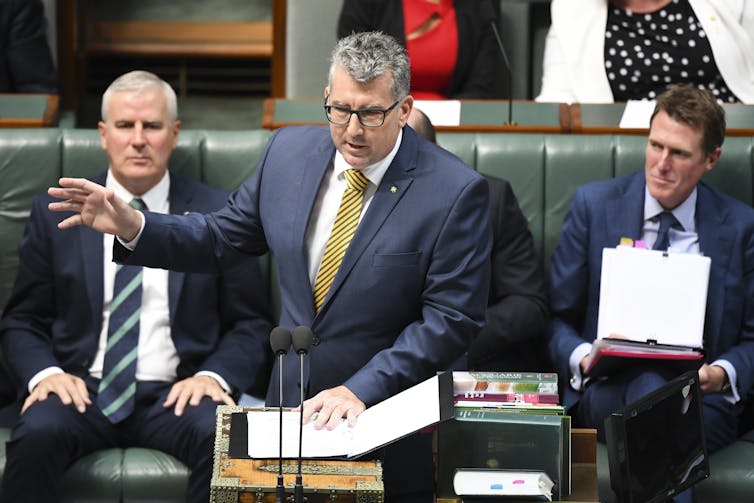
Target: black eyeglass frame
[384, 111]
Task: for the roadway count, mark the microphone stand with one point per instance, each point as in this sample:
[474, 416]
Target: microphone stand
[508, 66]
[280, 340]
[302, 341]
[298, 491]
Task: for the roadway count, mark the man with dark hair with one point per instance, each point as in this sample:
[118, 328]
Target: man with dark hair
[685, 141]
[108, 356]
[391, 278]
[517, 310]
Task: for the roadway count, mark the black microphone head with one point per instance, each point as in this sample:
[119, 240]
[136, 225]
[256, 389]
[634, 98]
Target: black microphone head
[302, 339]
[280, 340]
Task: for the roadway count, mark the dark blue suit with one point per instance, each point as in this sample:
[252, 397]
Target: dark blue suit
[603, 212]
[54, 317]
[411, 291]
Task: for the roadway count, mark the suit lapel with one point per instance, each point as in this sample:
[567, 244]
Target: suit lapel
[716, 242]
[93, 259]
[392, 188]
[625, 212]
[316, 166]
[180, 203]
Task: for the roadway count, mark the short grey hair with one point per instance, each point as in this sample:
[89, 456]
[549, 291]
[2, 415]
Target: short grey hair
[138, 81]
[368, 55]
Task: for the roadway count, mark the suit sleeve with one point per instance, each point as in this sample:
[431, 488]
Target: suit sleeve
[569, 283]
[32, 308]
[517, 309]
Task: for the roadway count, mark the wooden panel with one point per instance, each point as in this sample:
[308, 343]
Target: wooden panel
[219, 39]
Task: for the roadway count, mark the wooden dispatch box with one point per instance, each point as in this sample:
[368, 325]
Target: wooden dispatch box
[237, 479]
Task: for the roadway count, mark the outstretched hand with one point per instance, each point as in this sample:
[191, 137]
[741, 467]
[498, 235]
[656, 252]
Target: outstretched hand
[95, 206]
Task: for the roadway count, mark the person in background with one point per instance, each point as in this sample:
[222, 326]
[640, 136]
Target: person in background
[450, 43]
[685, 141]
[108, 356]
[393, 286]
[601, 51]
[26, 64]
[517, 307]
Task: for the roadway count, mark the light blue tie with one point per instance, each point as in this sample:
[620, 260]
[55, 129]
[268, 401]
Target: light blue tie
[118, 385]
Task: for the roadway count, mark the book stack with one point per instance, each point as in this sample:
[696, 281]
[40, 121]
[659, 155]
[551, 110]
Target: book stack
[532, 392]
[505, 421]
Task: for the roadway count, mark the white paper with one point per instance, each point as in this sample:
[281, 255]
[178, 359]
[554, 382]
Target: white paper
[637, 114]
[651, 295]
[394, 418]
[441, 112]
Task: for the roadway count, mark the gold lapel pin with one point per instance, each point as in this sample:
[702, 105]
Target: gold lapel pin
[393, 189]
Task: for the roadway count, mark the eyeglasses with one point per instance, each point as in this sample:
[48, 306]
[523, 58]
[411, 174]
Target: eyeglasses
[368, 117]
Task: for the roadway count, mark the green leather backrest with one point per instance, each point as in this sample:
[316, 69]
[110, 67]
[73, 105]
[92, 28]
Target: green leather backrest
[544, 170]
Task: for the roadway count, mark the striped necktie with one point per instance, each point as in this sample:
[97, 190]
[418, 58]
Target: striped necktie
[343, 230]
[118, 385]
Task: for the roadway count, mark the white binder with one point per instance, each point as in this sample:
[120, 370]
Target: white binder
[648, 295]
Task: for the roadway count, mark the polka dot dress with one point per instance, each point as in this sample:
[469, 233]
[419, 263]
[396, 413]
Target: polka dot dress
[644, 53]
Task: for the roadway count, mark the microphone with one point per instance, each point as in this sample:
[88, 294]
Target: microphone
[489, 16]
[280, 341]
[302, 341]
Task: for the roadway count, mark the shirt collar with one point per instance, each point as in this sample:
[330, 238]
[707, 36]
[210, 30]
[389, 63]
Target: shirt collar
[154, 198]
[373, 172]
[684, 212]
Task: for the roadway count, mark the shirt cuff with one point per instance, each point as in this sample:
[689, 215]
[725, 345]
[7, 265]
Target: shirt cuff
[132, 244]
[578, 354]
[223, 383]
[39, 376]
[732, 394]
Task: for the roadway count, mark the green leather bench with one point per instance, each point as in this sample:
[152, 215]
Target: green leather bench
[544, 170]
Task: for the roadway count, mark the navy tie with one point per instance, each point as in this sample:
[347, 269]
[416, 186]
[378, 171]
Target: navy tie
[118, 385]
[667, 220]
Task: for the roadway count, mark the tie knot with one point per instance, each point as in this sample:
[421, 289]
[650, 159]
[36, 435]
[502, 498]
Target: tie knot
[138, 203]
[356, 180]
[667, 220]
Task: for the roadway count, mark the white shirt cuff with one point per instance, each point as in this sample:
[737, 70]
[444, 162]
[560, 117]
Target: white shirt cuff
[132, 244]
[39, 376]
[574, 361]
[223, 383]
[732, 395]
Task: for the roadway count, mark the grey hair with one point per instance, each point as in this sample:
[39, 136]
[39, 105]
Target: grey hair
[368, 55]
[139, 81]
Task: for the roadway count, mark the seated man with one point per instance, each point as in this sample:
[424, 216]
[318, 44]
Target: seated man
[517, 310]
[686, 134]
[100, 364]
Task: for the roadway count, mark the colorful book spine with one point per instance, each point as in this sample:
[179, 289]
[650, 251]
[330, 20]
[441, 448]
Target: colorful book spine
[514, 387]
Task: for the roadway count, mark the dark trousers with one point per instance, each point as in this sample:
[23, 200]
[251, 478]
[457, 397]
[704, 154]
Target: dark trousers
[602, 398]
[49, 436]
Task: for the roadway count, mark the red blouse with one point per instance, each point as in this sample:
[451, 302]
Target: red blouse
[433, 54]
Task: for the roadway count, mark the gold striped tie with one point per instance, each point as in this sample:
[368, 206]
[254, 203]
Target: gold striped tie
[343, 230]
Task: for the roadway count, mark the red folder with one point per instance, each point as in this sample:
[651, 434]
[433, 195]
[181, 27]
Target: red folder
[610, 355]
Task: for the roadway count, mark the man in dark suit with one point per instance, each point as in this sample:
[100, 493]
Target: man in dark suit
[190, 341]
[685, 138]
[517, 310]
[26, 64]
[410, 291]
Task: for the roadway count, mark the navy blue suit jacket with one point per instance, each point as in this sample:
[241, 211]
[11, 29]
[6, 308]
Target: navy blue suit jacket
[411, 291]
[603, 212]
[219, 322]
